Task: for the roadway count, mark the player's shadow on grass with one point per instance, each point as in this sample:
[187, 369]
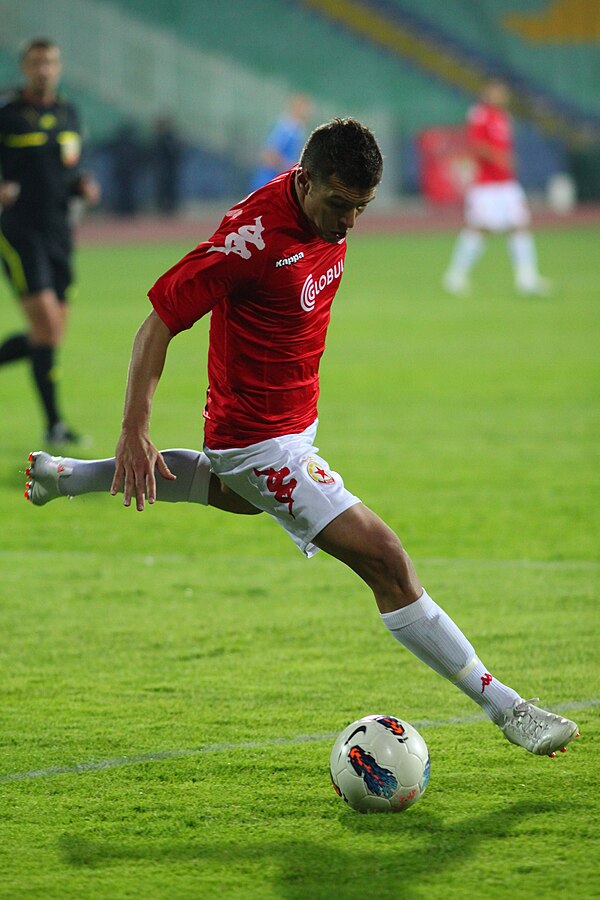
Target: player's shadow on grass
[426, 846]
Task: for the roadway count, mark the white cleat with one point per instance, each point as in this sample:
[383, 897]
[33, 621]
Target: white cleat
[537, 730]
[456, 284]
[538, 287]
[44, 473]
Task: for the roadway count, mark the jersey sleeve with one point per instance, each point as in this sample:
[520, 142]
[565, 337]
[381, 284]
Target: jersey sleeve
[226, 266]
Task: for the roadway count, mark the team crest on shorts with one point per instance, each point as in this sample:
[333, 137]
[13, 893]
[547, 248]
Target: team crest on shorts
[317, 472]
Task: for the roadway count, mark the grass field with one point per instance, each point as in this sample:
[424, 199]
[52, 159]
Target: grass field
[172, 681]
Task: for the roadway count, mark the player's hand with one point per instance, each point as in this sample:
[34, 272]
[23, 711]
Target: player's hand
[89, 189]
[9, 192]
[136, 461]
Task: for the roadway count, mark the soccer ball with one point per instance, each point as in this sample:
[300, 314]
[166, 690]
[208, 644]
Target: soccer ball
[379, 764]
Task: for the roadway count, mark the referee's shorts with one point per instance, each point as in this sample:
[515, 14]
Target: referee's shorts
[36, 260]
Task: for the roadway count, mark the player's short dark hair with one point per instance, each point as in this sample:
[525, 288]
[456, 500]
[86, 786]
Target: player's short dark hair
[39, 43]
[344, 148]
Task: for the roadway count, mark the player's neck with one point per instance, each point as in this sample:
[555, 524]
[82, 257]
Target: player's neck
[39, 98]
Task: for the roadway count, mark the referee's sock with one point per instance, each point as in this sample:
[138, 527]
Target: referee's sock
[42, 364]
[13, 348]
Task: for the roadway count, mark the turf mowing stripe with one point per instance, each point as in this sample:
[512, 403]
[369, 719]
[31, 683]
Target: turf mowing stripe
[98, 766]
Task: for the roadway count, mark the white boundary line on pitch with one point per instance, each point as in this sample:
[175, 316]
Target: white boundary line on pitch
[100, 765]
[150, 558]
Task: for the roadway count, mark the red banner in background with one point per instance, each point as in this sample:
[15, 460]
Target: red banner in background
[445, 163]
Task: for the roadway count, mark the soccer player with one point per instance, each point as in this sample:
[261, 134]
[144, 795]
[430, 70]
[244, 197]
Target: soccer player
[40, 143]
[284, 142]
[268, 277]
[495, 202]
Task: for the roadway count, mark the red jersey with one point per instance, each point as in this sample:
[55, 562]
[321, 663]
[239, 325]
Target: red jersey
[269, 282]
[492, 126]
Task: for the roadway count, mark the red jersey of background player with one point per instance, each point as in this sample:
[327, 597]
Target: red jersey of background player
[269, 282]
[491, 126]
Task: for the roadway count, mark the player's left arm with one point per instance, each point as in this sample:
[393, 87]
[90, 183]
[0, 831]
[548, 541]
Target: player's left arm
[136, 455]
[88, 188]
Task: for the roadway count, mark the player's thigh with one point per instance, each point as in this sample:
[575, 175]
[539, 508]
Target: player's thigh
[363, 541]
[360, 537]
[46, 316]
[222, 497]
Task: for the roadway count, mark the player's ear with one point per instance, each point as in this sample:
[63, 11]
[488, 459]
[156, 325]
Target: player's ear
[303, 179]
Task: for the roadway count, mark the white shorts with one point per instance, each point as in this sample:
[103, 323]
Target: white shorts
[496, 207]
[286, 478]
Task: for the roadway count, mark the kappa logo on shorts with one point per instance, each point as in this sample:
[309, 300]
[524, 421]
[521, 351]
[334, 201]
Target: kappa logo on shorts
[317, 472]
[276, 484]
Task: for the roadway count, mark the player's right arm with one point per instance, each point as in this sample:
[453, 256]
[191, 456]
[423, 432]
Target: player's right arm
[136, 455]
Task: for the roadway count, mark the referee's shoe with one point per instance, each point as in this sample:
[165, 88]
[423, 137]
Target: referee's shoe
[60, 435]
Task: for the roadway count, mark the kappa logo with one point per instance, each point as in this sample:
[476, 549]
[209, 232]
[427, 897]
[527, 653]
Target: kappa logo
[289, 260]
[277, 485]
[237, 241]
[312, 288]
[317, 472]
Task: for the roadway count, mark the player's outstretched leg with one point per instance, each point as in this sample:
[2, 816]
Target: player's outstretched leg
[361, 540]
[425, 629]
[50, 477]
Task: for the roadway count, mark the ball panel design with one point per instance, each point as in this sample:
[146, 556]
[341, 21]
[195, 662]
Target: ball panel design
[380, 763]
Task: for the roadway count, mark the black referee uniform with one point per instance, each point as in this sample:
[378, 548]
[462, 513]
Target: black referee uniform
[40, 149]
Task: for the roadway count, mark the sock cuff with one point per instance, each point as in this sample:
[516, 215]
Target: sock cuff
[400, 618]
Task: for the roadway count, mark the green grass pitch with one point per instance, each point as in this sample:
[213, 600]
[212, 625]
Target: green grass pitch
[172, 681]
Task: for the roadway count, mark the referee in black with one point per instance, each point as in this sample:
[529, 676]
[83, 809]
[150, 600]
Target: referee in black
[40, 146]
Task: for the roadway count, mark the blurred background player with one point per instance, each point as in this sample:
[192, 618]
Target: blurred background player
[285, 141]
[495, 202]
[40, 146]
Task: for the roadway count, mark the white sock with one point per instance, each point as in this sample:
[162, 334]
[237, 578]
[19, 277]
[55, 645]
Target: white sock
[467, 250]
[523, 256]
[191, 467]
[428, 632]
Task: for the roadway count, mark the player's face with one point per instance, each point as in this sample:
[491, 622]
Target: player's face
[496, 93]
[331, 206]
[42, 68]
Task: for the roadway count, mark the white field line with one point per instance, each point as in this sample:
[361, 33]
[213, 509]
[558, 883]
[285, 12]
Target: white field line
[99, 765]
[450, 562]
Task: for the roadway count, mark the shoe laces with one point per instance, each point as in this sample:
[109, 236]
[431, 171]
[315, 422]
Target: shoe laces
[525, 719]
